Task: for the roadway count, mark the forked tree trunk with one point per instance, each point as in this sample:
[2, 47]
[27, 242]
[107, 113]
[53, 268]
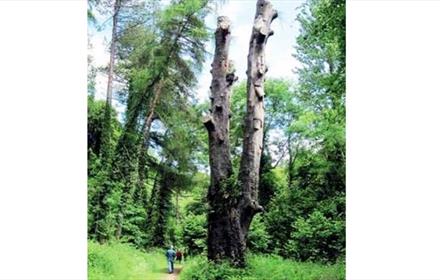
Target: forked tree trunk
[232, 206]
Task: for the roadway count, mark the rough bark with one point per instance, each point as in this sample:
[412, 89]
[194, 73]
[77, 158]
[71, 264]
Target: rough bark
[254, 119]
[217, 124]
[232, 206]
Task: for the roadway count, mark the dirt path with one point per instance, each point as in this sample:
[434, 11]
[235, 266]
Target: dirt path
[175, 274]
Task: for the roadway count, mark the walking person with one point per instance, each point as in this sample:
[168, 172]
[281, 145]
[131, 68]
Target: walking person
[179, 256]
[170, 254]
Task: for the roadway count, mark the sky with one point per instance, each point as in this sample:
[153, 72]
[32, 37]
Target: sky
[279, 49]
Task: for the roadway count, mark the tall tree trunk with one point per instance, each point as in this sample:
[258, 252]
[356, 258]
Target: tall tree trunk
[248, 177]
[293, 154]
[152, 199]
[143, 145]
[254, 119]
[232, 206]
[289, 165]
[157, 87]
[177, 206]
[106, 129]
[116, 8]
[162, 205]
[99, 227]
[217, 124]
[125, 163]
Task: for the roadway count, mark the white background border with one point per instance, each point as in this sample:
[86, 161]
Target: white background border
[393, 139]
[43, 143]
[393, 142]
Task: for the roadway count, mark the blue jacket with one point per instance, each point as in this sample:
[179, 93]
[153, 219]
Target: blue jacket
[171, 254]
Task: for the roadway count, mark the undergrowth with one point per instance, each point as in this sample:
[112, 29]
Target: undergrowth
[262, 267]
[123, 262]
[118, 261]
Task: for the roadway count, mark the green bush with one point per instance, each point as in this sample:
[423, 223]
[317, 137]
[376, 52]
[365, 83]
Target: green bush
[199, 268]
[262, 267]
[317, 238]
[258, 238]
[194, 234]
[304, 229]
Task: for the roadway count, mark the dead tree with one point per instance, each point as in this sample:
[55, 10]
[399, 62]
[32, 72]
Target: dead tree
[233, 203]
[106, 128]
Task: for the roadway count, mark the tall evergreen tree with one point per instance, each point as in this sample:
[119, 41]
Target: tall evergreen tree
[166, 68]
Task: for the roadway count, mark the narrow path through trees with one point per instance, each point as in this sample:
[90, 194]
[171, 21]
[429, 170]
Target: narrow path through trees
[175, 274]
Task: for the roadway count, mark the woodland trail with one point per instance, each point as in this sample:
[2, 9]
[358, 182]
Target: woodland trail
[175, 274]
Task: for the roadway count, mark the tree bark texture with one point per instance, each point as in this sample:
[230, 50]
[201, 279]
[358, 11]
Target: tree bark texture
[232, 206]
[254, 120]
[220, 226]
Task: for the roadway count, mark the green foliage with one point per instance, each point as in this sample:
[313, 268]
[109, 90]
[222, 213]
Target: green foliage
[95, 118]
[97, 169]
[161, 206]
[121, 261]
[269, 183]
[159, 51]
[199, 268]
[317, 238]
[198, 205]
[305, 225]
[258, 238]
[273, 267]
[302, 174]
[262, 267]
[305, 220]
[279, 111]
[195, 234]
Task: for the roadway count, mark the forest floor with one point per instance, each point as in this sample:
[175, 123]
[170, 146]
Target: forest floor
[175, 274]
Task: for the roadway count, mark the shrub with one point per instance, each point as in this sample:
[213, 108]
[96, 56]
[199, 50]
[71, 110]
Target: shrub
[262, 267]
[258, 238]
[317, 238]
[199, 268]
[195, 234]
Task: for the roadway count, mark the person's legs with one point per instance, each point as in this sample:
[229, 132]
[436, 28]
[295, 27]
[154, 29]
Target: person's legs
[170, 267]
